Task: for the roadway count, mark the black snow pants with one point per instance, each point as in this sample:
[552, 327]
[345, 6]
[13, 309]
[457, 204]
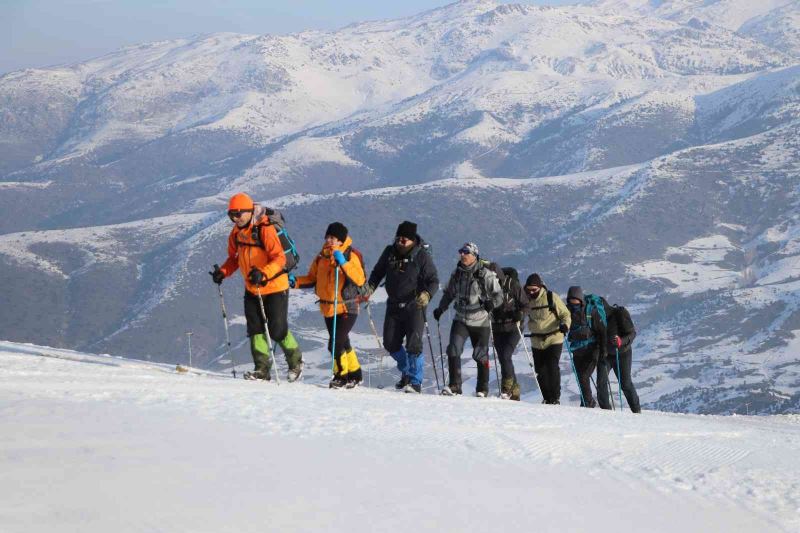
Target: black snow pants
[628, 389]
[406, 321]
[585, 360]
[479, 337]
[548, 372]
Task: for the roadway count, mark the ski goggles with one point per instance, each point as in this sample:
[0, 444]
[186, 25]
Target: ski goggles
[465, 251]
[235, 214]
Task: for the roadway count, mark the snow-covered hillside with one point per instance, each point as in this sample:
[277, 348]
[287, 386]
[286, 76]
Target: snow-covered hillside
[97, 444]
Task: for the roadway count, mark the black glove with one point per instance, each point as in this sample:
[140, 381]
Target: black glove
[256, 277]
[437, 314]
[217, 275]
[563, 328]
[488, 305]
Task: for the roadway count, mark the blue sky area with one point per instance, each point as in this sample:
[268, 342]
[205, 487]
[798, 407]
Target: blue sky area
[39, 33]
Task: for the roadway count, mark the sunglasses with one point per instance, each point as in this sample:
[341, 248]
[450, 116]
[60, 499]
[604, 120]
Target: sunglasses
[464, 251]
[234, 214]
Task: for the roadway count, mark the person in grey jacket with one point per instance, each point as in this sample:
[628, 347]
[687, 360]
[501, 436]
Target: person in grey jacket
[475, 291]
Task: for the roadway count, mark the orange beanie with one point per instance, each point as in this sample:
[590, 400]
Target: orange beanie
[240, 202]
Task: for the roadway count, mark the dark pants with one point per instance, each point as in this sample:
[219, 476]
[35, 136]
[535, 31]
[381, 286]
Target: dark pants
[344, 323]
[585, 361]
[479, 337]
[548, 373]
[276, 307]
[403, 322]
[628, 389]
[505, 343]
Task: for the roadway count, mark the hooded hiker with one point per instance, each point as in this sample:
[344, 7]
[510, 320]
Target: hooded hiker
[411, 282]
[587, 338]
[620, 333]
[474, 291]
[548, 321]
[338, 303]
[255, 249]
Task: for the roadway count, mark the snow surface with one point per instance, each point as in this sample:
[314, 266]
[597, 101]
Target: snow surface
[97, 443]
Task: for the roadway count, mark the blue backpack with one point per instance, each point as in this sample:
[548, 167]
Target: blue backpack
[593, 302]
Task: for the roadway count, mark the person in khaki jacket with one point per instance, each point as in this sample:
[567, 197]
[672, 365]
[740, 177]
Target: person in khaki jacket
[548, 321]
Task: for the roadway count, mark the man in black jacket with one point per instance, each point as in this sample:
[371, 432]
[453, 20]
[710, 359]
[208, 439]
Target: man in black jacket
[411, 281]
[587, 342]
[621, 333]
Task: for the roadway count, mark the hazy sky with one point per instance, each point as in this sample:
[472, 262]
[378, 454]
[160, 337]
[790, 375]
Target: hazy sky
[38, 33]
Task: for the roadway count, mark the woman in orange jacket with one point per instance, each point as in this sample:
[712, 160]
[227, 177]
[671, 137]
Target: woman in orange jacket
[255, 249]
[337, 253]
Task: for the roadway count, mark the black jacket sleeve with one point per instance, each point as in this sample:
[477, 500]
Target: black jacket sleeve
[521, 298]
[428, 276]
[627, 331]
[379, 270]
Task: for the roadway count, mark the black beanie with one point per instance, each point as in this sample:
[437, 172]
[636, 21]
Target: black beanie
[407, 229]
[534, 280]
[338, 230]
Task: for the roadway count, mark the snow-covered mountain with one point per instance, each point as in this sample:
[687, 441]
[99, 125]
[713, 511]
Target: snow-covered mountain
[646, 150]
[99, 443]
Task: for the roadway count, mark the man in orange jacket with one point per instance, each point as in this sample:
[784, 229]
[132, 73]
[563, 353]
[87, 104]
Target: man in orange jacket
[255, 249]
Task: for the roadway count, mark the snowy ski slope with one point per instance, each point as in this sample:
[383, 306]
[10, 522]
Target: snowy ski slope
[97, 444]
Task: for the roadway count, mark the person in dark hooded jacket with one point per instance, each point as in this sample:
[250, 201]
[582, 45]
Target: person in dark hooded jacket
[621, 333]
[411, 282]
[506, 320]
[587, 342]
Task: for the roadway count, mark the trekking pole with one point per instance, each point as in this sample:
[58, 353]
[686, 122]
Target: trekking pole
[266, 332]
[227, 334]
[528, 356]
[619, 382]
[575, 371]
[611, 394]
[378, 340]
[494, 355]
[441, 351]
[433, 361]
[333, 330]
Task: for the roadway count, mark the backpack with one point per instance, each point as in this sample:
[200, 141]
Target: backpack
[352, 294]
[592, 302]
[276, 219]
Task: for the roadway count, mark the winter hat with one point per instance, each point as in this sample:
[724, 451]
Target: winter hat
[240, 202]
[534, 280]
[470, 248]
[407, 229]
[338, 230]
[575, 292]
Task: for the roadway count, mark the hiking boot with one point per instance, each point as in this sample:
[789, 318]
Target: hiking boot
[505, 396]
[352, 383]
[262, 374]
[412, 388]
[405, 380]
[451, 390]
[337, 383]
[295, 373]
[480, 394]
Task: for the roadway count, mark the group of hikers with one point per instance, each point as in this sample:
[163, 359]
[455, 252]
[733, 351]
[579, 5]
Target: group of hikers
[490, 306]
